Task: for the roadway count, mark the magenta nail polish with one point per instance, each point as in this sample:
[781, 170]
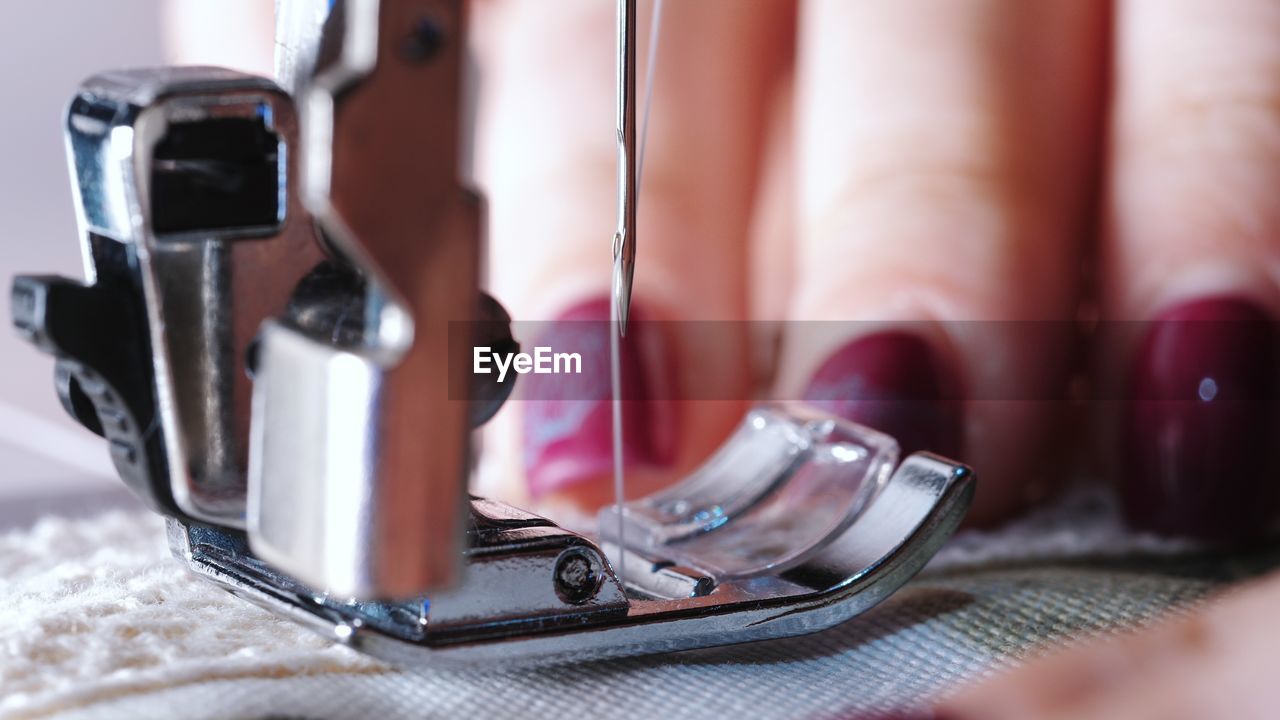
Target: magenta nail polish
[1199, 429]
[895, 383]
[567, 424]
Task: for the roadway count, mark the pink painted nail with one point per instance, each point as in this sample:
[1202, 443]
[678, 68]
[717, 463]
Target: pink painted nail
[893, 382]
[568, 429]
[1204, 405]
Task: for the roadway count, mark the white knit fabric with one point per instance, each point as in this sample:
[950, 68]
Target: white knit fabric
[98, 621]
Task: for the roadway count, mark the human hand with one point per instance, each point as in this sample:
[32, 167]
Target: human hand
[932, 168]
[970, 177]
[1215, 663]
[929, 169]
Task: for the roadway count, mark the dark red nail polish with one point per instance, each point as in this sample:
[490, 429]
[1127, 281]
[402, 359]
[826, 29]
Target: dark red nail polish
[893, 382]
[1200, 426]
[567, 425]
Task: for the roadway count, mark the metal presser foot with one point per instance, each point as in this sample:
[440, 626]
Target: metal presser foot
[267, 336]
[799, 523]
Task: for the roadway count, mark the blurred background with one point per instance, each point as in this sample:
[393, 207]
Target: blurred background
[47, 47]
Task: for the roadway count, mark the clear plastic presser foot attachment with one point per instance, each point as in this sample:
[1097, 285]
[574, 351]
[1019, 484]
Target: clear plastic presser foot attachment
[788, 482]
[799, 522]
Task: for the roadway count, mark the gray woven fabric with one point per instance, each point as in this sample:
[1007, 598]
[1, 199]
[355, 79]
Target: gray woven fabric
[988, 600]
[941, 631]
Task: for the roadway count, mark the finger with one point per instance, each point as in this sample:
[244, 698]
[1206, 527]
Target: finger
[773, 233]
[945, 162]
[1214, 664]
[235, 34]
[1194, 244]
[548, 162]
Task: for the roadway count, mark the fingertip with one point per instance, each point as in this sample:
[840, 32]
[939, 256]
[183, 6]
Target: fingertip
[680, 397]
[895, 382]
[236, 34]
[568, 419]
[1203, 400]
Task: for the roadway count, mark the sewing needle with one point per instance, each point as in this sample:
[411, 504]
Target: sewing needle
[624, 240]
[630, 168]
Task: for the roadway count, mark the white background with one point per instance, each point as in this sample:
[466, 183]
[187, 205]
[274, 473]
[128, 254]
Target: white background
[46, 48]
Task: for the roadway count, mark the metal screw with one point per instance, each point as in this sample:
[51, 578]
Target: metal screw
[576, 578]
[424, 42]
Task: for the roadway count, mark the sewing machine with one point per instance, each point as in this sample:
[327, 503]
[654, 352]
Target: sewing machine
[282, 295]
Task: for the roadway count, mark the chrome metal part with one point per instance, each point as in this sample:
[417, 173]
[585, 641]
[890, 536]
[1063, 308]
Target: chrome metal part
[183, 185]
[298, 30]
[514, 559]
[624, 240]
[360, 455]
[523, 568]
[666, 609]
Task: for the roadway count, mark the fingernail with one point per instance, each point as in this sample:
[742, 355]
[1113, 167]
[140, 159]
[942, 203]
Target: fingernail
[895, 383]
[1200, 425]
[568, 419]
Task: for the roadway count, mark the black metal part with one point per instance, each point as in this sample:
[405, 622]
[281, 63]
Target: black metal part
[330, 304]
[424, 41]
[216, 174]
[576, 577]
[103, 373]
[492, 330]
